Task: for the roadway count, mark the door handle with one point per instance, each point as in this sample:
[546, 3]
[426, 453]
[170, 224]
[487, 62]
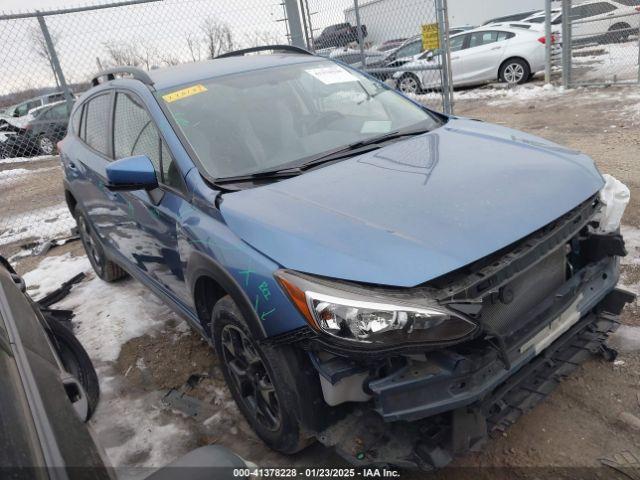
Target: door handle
[455, 58]
[72, 165]
[496, 48]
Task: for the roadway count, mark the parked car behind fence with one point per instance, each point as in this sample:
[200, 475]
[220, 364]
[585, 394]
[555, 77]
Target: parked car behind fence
[38, 134]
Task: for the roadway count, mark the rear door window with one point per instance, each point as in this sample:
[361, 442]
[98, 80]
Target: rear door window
[483, 38]
[96, 123]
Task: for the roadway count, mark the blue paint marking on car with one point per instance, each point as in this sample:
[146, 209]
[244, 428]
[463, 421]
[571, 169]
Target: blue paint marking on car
[355, 258]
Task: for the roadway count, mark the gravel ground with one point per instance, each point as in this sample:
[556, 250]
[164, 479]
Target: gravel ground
[583, 421]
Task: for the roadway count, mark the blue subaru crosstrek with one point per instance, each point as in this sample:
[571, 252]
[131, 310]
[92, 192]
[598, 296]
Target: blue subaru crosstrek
[396, 283]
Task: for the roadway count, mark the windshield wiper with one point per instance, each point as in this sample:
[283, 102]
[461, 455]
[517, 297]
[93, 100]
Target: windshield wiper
[277, 173]
[361, 146]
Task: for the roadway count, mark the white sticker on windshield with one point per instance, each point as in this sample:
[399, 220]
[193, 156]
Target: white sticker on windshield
[332, 74]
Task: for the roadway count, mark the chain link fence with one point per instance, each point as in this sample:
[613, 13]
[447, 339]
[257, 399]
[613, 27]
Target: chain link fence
[600, 41]
[44, 52]
[50, 57]
[397, 41]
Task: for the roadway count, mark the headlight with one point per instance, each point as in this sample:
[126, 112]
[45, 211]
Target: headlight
[354, 313]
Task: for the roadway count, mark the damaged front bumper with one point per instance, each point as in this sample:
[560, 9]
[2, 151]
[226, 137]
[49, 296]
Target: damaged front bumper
[449, 379]
[455, 403]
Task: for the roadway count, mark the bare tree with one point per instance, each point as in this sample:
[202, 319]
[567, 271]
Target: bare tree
[218, 37]
[41, 48]
[194, 45]
[169, 59]
[122, 54]
[147, 54]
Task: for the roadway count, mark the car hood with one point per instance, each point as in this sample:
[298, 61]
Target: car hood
[416, 209]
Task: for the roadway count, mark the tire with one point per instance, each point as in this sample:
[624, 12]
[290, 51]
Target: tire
[104, 268]
[247, 367]
[515, 71]
[618, 33]
[76, 361]
[409, 83]
[46, 146]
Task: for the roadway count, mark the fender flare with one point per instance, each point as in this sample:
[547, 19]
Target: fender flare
[200, 265]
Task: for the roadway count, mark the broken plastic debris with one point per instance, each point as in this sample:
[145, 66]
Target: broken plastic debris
[615, 197]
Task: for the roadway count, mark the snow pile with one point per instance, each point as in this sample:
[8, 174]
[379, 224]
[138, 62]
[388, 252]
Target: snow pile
[38, 158]
[607, 63]
[10, 176]
[52, 272]
[499, 94]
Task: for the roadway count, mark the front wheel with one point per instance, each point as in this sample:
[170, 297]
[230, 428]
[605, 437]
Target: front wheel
[515, 71]
[259, 380]
[409, 83]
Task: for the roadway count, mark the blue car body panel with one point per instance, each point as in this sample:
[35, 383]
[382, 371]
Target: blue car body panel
[442, 200]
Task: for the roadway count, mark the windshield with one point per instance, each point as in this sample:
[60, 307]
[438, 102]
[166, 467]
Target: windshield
[270, 118]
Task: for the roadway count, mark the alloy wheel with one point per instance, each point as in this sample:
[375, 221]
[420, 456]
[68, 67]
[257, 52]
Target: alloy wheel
[46, 145]
[514, 73]
[409, 84]
[250, 377]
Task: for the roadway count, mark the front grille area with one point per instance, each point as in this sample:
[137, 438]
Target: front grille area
[505, 312]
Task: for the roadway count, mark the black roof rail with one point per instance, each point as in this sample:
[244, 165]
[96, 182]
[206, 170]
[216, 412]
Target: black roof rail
[111, 73]
[275, 48]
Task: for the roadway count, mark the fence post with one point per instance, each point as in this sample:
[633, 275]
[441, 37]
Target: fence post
[442, 17]
[360, 36]
[293, 20]
[55, 62]
[639, 49]
[566, 43]
[547, 34]
[304, 26]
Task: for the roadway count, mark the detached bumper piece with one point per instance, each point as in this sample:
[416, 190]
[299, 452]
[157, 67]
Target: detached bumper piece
[365, 438]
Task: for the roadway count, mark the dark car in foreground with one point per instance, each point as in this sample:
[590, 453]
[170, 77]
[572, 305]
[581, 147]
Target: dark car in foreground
[48, 389]
[39, 134]
[389, 280]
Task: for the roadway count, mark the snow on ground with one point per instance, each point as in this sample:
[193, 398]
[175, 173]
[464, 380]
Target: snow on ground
[498, 94]
[606, 62]
[52, 272]
[631, 237]
[106, 317]
[50, 222]
[8, 174]
[4, 161]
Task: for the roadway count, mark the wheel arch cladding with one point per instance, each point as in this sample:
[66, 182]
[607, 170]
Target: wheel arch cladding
[71, 200]
[204, 273]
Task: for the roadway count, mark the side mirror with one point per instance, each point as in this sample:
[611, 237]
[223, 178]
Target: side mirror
[131, 173]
